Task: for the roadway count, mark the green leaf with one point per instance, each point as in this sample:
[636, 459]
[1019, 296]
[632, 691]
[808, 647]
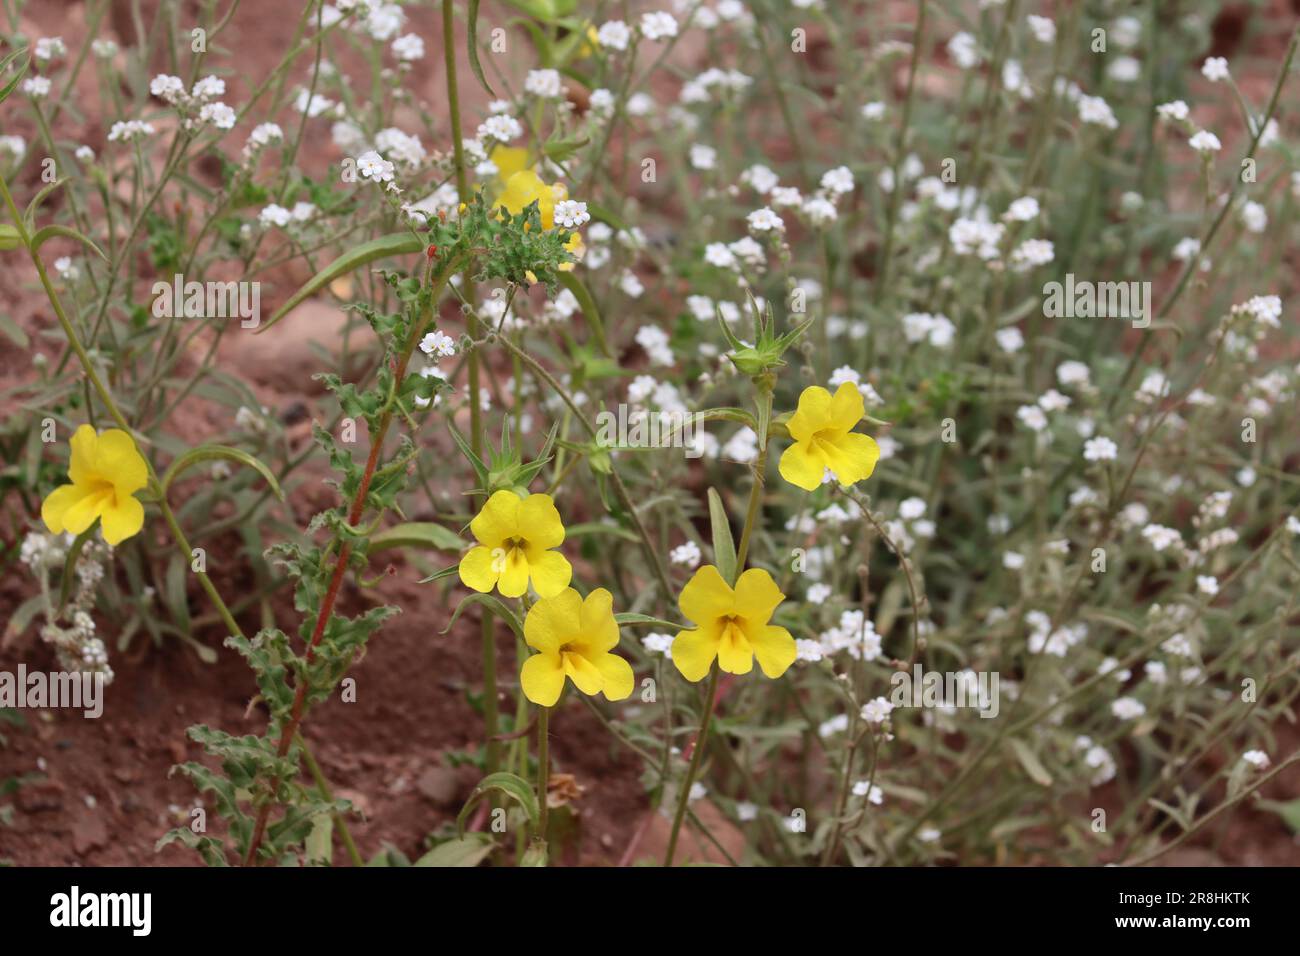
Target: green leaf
[589, 310]
[493, 605]
[417, 534]
[218, 453]
[628, 617]
[470, 849]
[50, 232]
[535, 855]
[724, 548]
[1289, 812]
[14, 331]
[18, 74]
[1031, 764]
[474, 63]
[396, 244]
[513, 786]
[439, 575]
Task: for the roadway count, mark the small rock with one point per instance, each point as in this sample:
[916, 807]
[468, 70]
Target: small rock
[440, 785]
[88, 833]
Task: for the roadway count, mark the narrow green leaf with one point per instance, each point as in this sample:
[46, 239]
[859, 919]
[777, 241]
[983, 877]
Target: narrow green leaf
[396, 244]
[493, 605]
[474, 63]
[417, 534]
[50, 232]
[214, 453]
[1031, 764]
[628, 617]
[724, 548]
[513, 786]
[471, 849]
[589, 310]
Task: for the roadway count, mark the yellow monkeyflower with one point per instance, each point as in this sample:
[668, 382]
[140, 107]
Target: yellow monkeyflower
[573, 639]
[525, 187]
[822, 429]
[106, 471]
[508, 160]
[731, 625]
[514, 537]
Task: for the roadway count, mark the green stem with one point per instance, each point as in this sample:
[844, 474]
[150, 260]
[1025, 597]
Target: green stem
[684, 798]
[543, 773]
[169, 516]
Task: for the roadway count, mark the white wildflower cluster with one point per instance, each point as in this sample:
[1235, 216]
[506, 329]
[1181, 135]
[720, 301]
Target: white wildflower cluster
[855, 634]
[1055, 641]
[70, 629]
[199, 107]
[1099, 761]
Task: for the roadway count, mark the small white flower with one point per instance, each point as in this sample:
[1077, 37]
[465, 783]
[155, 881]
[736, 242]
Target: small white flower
[1173, 110]
[1203, 141]
[838, 180]
[659, 25]
[168, 88]
[1215, 69]
[36, 87]
[209, 87]
[877, 710]
[1127, 708]
[545, 84]
[614, 35]
[408, 48]
[438, 343]
[373, 166]
[1043, 29]
[1100, 449]
[500, 127]
[703, 157]
[1010, 339]
[1257, 759]
[571, 214]
[218, 114]
[873, 111]
[765, 220]
[687, 554]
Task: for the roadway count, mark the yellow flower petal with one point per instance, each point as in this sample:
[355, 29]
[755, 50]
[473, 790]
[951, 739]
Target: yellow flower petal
[550, 572]
[514, 572]
[551, 621]
[735, 653]
[812, 415]
[542, 679]
[85, 446]
[122, 520]
[693, 653]
[56, 505]
[847, 407]
[706, 597]
[539, 522]
[775, 650]
[585, 675]
[618, 676]
[598, 627]
[803, 465]
[477, 570]
[499, 519]
[508, 160]
[118, 461]
[757, 596]
[852, 457]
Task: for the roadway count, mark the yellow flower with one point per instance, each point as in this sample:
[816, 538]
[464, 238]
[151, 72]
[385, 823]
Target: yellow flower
[508, 160]
[106, 470]
[731, 625]
[576, 248]
[515, 536]
[525, 187]
[822, 429]
[574, 639]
